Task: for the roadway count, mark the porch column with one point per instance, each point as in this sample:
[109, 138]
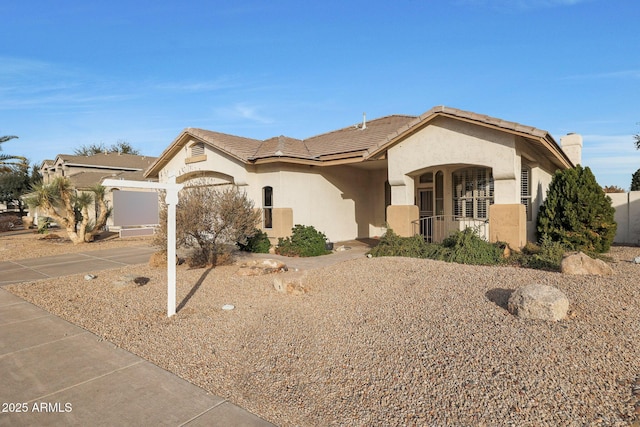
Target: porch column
[402, 211]
[508, 223]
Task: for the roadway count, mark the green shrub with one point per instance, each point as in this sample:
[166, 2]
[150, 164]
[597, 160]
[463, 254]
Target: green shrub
[305, 241]
[393, 245]
[258, 243]
[467, 247]
[577, 213]
[546, 256]
[464, 247]
[44, 223]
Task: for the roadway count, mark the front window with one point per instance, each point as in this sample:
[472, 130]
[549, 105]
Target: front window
[472, 192]
[525, 190]
[439, 193]
[267, 207]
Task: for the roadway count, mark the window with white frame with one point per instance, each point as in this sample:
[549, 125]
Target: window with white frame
[439, 193]
[472, 192]
[267, 207]
[525, 190]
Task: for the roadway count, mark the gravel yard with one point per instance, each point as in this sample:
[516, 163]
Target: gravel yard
[382, 341]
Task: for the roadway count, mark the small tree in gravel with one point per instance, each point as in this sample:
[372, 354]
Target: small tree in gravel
[635, 181]
[577, 213]
[70, 208]
[210, 220]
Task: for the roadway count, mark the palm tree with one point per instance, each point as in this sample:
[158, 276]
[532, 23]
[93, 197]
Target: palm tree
[6, 160]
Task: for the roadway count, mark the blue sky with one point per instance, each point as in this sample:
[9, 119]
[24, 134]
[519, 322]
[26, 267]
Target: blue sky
[76, 73]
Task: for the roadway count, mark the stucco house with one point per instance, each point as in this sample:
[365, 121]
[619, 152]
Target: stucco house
[445, 169]
[85, 172]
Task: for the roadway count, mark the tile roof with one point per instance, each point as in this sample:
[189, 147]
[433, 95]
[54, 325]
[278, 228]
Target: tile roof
[362, 140]
[356, 138]
[238, 146]
[109, 160]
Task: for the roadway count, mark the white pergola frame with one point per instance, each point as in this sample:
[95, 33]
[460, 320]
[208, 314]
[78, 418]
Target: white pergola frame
[171, 199]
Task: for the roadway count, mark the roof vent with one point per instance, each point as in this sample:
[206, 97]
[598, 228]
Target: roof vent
[364, 121]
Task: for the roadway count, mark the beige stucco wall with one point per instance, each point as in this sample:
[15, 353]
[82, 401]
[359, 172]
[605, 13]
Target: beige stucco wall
[454, 143]
[341, 201]
[344, 202]
[627, 216]
[227, 168]
[507, 224]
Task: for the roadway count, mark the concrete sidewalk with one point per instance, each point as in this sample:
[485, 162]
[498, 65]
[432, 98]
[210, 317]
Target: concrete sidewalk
[55, 373]
[25, 270]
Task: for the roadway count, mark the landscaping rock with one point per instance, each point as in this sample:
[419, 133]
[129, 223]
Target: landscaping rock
[124, 281]
[538, 302]
[636, 260]
[261, 267]
[580, 263]
[293, 283]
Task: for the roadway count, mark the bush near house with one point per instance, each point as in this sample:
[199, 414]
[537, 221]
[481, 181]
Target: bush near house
[544, 256]
[467, 247]
[463, 247]
[258, 243]
[210, 220]
[305, 241]
[577, 213]
[393, 245]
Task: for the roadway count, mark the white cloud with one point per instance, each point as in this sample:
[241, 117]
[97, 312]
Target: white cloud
[620, 74]
[242, 111]
[205, 86]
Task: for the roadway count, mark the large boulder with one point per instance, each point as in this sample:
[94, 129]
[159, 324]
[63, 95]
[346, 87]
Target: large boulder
[580, 263]
[538, 302]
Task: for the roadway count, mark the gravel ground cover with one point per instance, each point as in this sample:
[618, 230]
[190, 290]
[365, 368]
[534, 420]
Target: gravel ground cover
[29, 244]
[382, 341]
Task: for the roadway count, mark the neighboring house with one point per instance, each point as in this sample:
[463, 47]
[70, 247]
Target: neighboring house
[85, 172]
[443, 170]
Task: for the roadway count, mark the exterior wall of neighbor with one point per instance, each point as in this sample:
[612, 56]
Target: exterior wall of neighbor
[627, 216]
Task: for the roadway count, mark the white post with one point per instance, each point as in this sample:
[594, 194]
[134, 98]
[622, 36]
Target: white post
[171, 199]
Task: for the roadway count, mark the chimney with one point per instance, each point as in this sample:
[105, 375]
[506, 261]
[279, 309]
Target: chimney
[572, 146]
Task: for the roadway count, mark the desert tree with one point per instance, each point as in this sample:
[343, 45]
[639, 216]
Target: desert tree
[613, 189]
[635, 181]
[17, 181]
[7, 161]
[122, 147]
[70, 208]
[210, 219]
